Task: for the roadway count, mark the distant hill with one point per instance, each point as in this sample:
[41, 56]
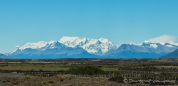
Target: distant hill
[2, 55]
[174, 54]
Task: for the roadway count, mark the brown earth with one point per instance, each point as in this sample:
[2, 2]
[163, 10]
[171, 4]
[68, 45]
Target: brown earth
[61, 81]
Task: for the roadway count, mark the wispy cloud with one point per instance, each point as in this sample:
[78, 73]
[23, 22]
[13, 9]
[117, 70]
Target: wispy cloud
[163, 39]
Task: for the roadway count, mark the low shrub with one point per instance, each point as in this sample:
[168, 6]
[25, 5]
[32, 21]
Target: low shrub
[14, 83]
[61, 79]
[117, 79]
[50, 82]
[85, 69]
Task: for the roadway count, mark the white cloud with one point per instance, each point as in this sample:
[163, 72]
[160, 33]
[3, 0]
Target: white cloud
[162, 39]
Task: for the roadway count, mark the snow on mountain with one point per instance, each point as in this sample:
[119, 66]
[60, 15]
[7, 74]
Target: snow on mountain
[154, 45]
[163, 40]
[96, 46]
[37, 45]
[2, 55]
[87, 47]
[1, 52]
[52, 49]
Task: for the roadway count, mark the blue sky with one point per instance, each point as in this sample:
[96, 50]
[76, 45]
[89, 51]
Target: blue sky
[120, 21]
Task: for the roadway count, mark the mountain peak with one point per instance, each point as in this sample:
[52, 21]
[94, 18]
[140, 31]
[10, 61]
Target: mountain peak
[100, 45]
[71, 41]
[103, 40]
[39, 44]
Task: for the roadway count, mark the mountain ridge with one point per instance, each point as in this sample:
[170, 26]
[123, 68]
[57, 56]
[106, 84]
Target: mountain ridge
[94, 48]
[173, 54]
[3, 55]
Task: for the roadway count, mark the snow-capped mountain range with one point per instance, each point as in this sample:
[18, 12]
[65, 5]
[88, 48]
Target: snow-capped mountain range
[94, 46]
[70, 47]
